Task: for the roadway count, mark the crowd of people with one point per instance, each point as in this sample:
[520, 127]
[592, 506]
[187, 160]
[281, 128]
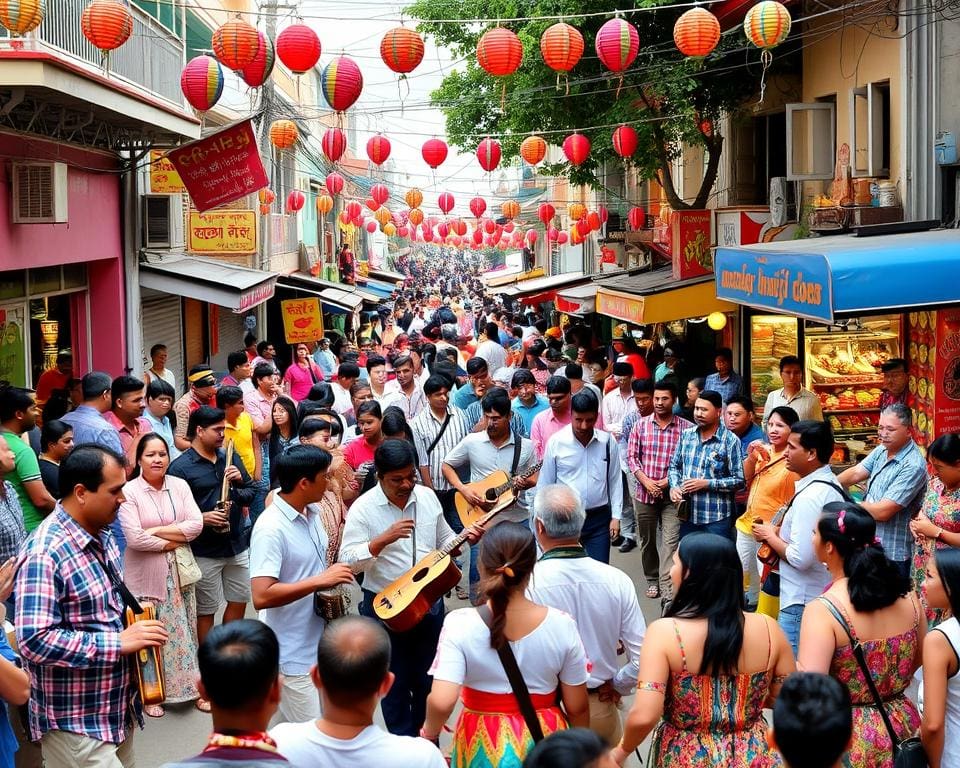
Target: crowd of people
[282, 486]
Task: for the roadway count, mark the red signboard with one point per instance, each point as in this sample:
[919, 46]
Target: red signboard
[690, 244]
[220, 168]
[933, 354]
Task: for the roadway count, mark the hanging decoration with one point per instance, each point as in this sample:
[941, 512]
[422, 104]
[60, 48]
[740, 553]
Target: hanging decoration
[637, 218]
[353, 209]
[257, 71]
[413, 197]
[445, 202]
[459, 226]
[766, 25]
[415, 217]
[561, 46]
[499, 52]
[202, 82]
[510, 209]
[324, 204]
[546, 212]
[380, 193]
[341, 83]
[401, 50]
[264, 209]
[533, 149]
[625, 141]
[389, 229]
[382, 215]
[593, 221]
[334, 144]
[266, 197]
[488, 153]
[295, 200]
[378, 149]
[576, 211]
[298, 47]
[562, 238]
[22, 16]
[617, 45]
[576, 147]
[235, 44]
[531, 236]
[603, 213]
[478, 206]
[696, 33]
[717, 321]
[434, 152]
[334, 183]
[283, 134]
[107, 24]
[371, 226]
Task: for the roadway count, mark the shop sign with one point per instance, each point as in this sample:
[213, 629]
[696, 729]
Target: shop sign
[220, 168]
[223, 232]
[792, 284]
[621, 307]
[256, 295]
[363, 272]
[302, 320]
[740, 226]
[690, 244]
[164, 179]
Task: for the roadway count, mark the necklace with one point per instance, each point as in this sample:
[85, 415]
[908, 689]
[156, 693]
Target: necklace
[242, 740]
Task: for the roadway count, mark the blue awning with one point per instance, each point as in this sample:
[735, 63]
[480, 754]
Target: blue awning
[376, 287]
[843, 274]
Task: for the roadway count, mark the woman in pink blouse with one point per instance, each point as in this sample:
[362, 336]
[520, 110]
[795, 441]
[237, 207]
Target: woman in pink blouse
[159, 515]
[302, 374]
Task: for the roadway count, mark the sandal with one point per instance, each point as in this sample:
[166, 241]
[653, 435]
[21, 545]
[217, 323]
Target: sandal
[203, 705]
[153, 710]
[653, 592]
[462, 594]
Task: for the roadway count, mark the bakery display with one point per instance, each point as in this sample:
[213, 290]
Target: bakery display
[771, 338]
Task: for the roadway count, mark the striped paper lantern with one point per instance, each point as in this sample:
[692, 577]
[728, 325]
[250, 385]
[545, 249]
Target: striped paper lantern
[202, 82]
[401, 50]
[499, 52]
[533, 149]
[696, 33]
[378, 149]
[334, 144]
[107, 24]
[257, 71]
[235, 44]
[22, 16]
[617, 44]
[561, 46]
[488, 154]
[341, 83]
[767, 24]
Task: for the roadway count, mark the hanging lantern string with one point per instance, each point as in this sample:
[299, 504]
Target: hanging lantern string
[766, 59]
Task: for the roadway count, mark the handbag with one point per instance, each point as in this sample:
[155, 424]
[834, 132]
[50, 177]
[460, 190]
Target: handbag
[330, 604]
[907, 753]
[188, 571]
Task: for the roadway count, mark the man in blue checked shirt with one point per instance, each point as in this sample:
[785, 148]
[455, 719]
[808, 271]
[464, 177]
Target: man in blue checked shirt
[726, 382]
[707, 470]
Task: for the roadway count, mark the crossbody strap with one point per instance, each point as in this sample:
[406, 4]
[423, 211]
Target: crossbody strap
[443, 428]
[515, 677]
[517, 445]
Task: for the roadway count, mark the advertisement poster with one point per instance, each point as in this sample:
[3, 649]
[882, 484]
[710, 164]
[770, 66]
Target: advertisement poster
[13, 351]
[232, 231]
[690, 233]
[947, 376]
[302, 320]
[164, 179]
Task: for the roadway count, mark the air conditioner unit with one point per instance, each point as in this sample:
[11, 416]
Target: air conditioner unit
[39, 193]
[162, 221]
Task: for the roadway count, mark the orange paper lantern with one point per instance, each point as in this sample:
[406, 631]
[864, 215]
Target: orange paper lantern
[696, 33]
[324, 204]
[235, 44]
[413, 197]
[21, 16]
[561, 47]
[533, 149]
[266, 196]
[283, 134]
[510, 209]
[107, 24]
[402, 50]
[382, 215]
[576, 211]
[415, 216]
[499, 52]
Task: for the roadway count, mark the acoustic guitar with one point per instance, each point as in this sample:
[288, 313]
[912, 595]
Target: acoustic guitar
[497, 488]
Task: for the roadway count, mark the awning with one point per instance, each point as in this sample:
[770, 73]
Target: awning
[579, 300]
[337, 300]
[386, 276]
[383, 290]
[510, 276]
[655, 297]
[543, 288]
[216, 282]
[820, 277]
[316, 283]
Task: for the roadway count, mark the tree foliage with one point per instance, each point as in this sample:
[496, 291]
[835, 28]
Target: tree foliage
[669, 100]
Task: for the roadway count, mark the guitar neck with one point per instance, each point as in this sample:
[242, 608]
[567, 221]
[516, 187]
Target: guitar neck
[459, 541]
[501, 489]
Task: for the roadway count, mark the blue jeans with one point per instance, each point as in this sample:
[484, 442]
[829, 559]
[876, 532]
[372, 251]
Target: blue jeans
[595, 535]
[720, 527]
[789, 621]
[446, 499]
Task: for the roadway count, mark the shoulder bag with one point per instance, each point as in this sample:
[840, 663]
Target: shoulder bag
[187, 569]
[907, 753]
[766, 553]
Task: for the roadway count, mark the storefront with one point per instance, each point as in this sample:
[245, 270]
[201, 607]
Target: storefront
[847, 304]
[540, 292]
[340, 304]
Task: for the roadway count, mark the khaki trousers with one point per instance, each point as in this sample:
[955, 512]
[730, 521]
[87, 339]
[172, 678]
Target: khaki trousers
[62, 749]
[605, 719]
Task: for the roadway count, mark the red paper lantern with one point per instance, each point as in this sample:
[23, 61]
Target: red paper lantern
[107, 24]
[561, 46]
[562, 238]
[533, 149]
[345, 218]
[510, 209]
[428, 235]
[324, 204]
[341, 83]
[264, 209]
[637, 218]
[499, 52]
[380, 193]
[442, 230]
[546, 212]
[459, 226]
[488, 153]
[334, 144]
[625, 140]
[295, 200]
[353, 209]
[604, 214]
[202, 82]
[257, 71]
[617, 44]
[434, 152]
[298, 47]
[371, 227]
[413, 197]
[403, 231]
[283, 134]
[378, 149]
[576, 147]
[593, 220]
[372, 204]
[489, 226]
[445, 202]
[402, 50]
[478, 206]
[235, 44]
[531, 236]
[696, 33]
[334, 183]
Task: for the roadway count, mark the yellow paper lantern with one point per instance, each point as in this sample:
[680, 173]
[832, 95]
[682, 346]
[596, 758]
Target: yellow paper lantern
[717, 321]
[382, 215]
[324, 204]
[389, 229]
[576, 211]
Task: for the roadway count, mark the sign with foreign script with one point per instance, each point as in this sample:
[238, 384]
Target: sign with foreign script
[302, 320]
[791, 283]
[164, 179]
[620, 306]
[220, 168]
[233, 231]
[690, 243]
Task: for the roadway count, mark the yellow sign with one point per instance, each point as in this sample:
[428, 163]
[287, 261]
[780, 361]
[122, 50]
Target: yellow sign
[363, 269]
[164, 179]
[302, 320]
[223, 232]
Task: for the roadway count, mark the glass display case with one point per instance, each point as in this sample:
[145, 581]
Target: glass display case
[771, 338]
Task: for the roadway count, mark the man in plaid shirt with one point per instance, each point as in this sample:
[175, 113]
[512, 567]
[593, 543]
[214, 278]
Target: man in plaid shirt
[69, 620]
[707, 470]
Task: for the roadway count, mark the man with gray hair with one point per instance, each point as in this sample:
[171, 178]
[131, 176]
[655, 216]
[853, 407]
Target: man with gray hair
[896, 475]
[600, 597]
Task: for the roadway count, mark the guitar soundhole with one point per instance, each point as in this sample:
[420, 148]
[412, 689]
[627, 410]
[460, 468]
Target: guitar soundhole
[492, 494]
[419, 575]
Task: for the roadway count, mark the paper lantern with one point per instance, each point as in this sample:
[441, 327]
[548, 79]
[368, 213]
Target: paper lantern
[298, 47]
[510, 209]
[428, 235]
[383, 215]
[353, 209]
[478, 206]
[489, 226]
[264, 209]
[624, 140]
[546, 212]
[413, 197]
[533, 149]
[603, 213]
[283, 134]
[107, 24]
[576, 211]
[295, 200]
[403, 231]
[442, 230]
[371, 227]
[324, 204]
[717, 321]
[488, 153]
[415, 216]
[202, 82]
[257, 71]
[334, 183]
[561, 47]
[445, 202]
[637, 218]
[459, 226]
[334, 144]
[266, 196]
[378, 149]
[499, 52]
[593, 220]
[696, 33]
[389, 229]
[22, 16]
[235, 44]
[372, 204]
[576, 147]
[531, 236]
[562, 238]
[434, 152]
[767, 24]
[552, 234]
[380, 193]
[401, 50]
[341, 83]
[617, 44]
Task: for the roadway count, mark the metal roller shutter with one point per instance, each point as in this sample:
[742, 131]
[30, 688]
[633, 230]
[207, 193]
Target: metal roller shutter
[231, 333]
[162, 324]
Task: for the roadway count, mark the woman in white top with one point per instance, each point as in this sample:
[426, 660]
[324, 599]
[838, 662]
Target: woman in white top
[940, 727]
[491, 732]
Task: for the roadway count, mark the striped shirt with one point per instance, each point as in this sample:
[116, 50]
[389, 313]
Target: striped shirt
[425, 429]
[719, 460]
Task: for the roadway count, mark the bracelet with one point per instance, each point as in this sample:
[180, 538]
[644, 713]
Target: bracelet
[434, 739]
[939, 531]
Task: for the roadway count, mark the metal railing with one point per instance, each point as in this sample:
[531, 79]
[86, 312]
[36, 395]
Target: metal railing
[152, 58]
[284, 237]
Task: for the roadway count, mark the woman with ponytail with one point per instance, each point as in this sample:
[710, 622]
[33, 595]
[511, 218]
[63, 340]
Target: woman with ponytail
[491, 731]
[871, 602]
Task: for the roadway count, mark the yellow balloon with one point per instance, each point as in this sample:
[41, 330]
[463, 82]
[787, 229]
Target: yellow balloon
[717, 321]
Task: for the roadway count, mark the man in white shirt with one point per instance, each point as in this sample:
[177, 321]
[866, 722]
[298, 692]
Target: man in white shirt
[600, 597]
[587, 459]
[794, 394]
[490, 349]
[288, 563]
[377, 377]
[347, 374]
[352, 676]
[405, 392]
[619, 402]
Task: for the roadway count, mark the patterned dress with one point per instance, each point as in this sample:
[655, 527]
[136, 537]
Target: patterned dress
[713, 719]
[891, 663]
[942, 508]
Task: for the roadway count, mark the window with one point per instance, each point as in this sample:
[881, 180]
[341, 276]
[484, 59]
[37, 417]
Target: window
[870, 130]
[811, 141]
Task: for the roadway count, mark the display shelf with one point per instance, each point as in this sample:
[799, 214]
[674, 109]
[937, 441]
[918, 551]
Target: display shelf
[848, 383]
[851, 410]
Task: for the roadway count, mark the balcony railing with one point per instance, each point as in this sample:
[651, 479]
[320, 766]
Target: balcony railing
[152, 58]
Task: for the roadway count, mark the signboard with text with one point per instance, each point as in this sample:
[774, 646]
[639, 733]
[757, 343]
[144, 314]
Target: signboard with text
[302, 320]
[233, 231]
[690, 233]
[629, 308]
[220, 168]
[164, 179]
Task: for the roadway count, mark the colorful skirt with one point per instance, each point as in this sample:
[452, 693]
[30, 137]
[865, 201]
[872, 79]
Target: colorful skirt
[491, 732]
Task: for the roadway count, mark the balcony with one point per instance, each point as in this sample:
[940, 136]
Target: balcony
[151, 59]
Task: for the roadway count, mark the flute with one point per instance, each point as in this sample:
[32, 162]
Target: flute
[224, 504]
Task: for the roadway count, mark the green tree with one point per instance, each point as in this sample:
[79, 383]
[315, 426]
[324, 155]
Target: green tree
[669, 100]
